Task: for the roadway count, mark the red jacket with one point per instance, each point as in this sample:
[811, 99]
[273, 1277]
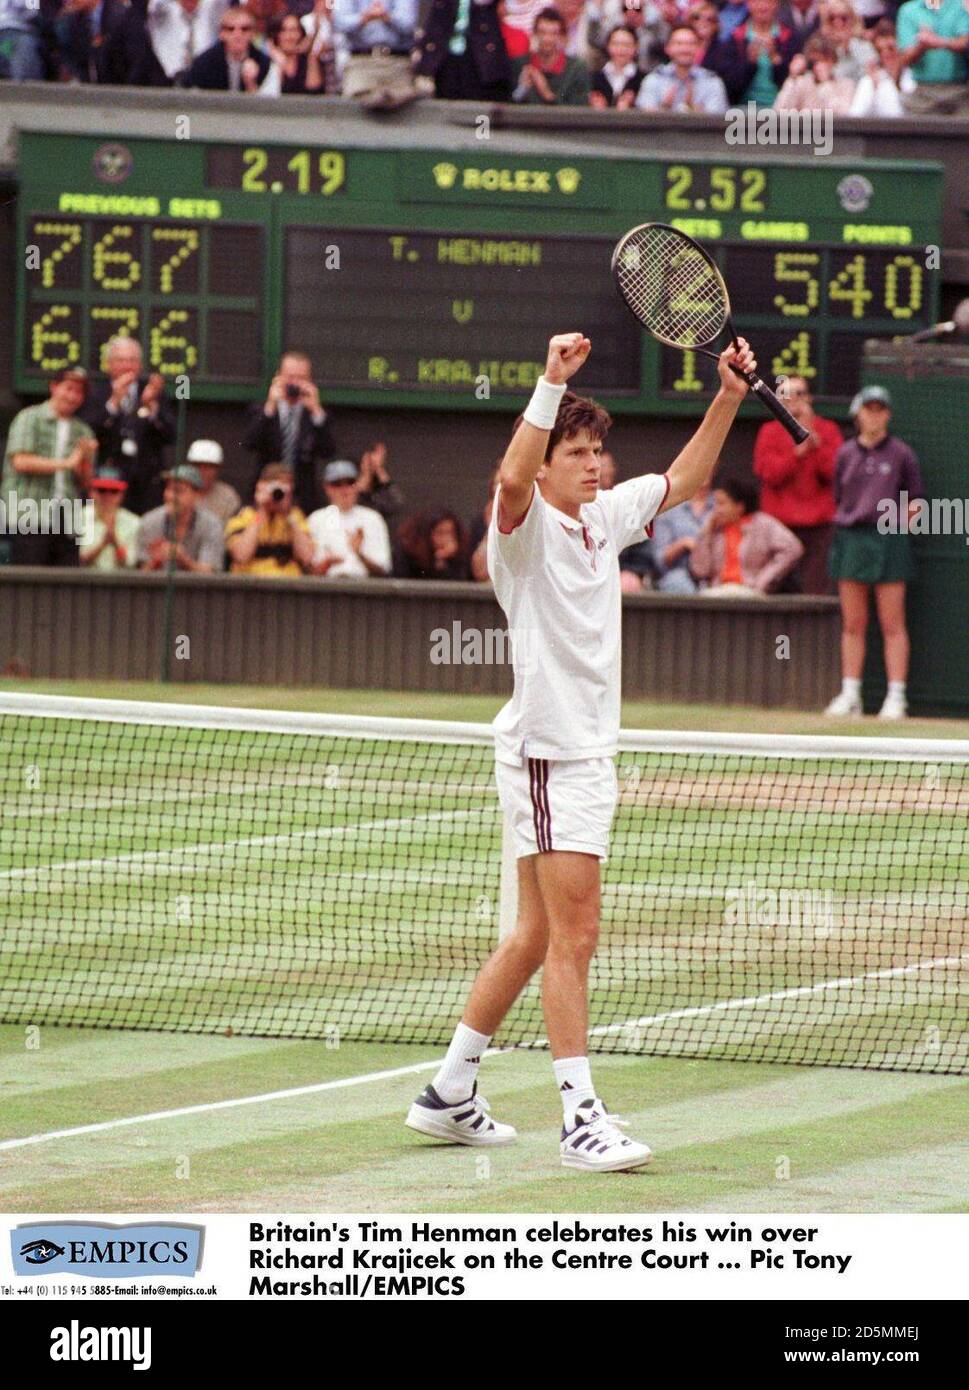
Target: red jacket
[798, 491]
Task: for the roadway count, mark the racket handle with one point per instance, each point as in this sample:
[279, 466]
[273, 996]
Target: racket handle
[770, 402]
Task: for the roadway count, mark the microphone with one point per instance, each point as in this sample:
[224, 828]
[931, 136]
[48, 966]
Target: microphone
[956, 327]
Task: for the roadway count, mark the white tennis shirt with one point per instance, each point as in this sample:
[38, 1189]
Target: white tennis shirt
[557, 580]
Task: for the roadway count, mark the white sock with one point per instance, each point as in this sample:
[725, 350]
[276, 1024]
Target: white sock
[851, 685]
[574, 1080]
[897, 688]
[459, 1070]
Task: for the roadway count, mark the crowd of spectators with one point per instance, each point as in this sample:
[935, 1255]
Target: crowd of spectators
[309, 511]
[803, 519]
[854, 57]
[108, 444]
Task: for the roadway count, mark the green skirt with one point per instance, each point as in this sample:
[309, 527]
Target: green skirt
[866, 555]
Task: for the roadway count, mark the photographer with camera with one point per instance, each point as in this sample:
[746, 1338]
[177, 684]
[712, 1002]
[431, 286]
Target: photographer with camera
[270, 538]
[292, 427]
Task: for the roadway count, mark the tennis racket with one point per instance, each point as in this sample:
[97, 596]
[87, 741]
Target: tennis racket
[675, 290]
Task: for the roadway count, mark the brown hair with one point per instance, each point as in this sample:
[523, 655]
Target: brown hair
[819, 47]
[273, 30]
[276, 471]
[414, 537]
[550, 15]
[739, 488]
[576, 413]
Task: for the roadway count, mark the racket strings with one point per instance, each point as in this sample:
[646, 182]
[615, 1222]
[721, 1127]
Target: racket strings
[671, 287]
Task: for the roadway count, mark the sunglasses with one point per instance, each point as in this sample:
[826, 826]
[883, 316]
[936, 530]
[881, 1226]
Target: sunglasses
[235, 28]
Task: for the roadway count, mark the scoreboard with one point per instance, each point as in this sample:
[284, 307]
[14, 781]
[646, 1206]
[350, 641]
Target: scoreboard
[434, 278]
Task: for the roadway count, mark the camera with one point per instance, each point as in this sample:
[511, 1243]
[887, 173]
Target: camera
[293, 392]
[277, 493]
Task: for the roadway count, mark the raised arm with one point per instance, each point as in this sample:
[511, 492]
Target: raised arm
[694, 464]
[526, 452]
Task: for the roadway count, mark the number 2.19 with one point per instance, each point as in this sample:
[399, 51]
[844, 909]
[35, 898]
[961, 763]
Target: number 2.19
[330, 165]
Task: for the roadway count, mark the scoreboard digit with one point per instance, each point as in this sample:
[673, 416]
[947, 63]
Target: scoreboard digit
[189, 293]
[433, 277]
[808, 311]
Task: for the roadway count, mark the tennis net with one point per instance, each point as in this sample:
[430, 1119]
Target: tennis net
[238, 871]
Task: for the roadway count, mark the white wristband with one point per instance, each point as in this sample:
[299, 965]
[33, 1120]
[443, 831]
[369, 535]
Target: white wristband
[544, 404]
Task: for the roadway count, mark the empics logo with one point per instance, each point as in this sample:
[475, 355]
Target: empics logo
[76, 1343]
[40, 1252]
[104, 1251]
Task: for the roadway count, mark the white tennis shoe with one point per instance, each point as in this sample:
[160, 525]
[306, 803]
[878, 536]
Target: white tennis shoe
[468, 1122]
[845, 706]
[596, 1144]
[894, 707]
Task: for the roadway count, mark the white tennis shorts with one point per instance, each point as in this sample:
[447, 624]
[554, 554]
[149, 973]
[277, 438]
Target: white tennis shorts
[559, 805]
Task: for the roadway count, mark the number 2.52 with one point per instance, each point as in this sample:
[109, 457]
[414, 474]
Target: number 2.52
[722, 188]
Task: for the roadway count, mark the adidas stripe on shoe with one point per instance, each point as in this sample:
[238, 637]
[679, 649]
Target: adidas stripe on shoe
[596, 1144]
[468, 1122]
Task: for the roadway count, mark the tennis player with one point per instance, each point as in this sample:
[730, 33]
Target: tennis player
[553, 554]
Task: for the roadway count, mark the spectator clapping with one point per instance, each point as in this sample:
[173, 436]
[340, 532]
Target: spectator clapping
[133, 421]
[617, 83]
[934, 39]
[234, 63]
[180, 535]
[886, 81]
[350, 541]
[817, 88]
[764, 49]
[385, 54]
[548, 76]
[109, 538]
[432, 545]
[376, 488]
[296, 68]
[681, 84]
[841, 25]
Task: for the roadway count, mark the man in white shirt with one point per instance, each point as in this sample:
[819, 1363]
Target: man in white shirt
[553, 554]
[182, 29]
[352, 542]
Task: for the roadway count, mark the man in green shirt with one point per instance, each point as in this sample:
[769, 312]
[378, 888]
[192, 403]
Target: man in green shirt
[933, 38]
[49, 456]
[546, 75]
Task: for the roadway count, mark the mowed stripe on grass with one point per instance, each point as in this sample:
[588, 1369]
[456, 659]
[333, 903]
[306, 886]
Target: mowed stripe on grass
[724, 1134]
